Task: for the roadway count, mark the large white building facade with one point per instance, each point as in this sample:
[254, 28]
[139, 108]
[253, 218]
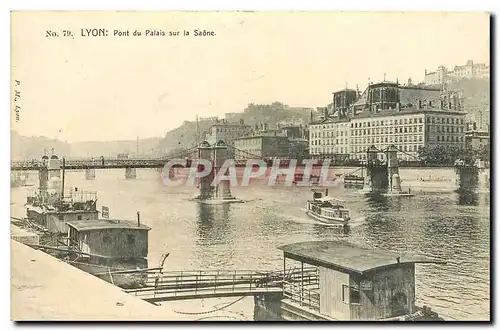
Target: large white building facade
[388, 114]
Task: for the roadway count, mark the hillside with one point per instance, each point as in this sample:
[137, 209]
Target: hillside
[185, 136]
[23, 148]
[476, 96]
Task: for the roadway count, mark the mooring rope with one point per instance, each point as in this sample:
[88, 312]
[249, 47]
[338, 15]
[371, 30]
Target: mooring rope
[228, 317]
[210, 311]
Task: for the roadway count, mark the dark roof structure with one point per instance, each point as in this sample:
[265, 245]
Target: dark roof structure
[103, 224]
[348, 257]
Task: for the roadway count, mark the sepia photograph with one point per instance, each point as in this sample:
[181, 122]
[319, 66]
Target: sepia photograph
[250, 166]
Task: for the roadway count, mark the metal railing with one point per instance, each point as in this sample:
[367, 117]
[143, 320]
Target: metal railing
[303, 289]
[174, 285]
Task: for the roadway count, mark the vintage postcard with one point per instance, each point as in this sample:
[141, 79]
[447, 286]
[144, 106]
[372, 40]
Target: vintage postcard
[250, 166]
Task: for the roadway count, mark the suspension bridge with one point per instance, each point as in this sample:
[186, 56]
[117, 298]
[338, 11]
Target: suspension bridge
[188, 154]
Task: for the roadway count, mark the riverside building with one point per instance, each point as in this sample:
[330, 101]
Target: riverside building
[387, 113]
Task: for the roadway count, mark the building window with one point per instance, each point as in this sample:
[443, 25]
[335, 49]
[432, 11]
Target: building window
[130, 239]
[350, 294]
[79, 217]
[345, 293]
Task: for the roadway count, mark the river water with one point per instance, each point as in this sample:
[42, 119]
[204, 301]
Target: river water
[436, 223]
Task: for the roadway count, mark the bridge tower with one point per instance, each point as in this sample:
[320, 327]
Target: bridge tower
[220, 193]
[204, 183]
[54, 166]
[382, 175]
[53, 184]
[376, 172]
[223, 189]
[393, 170]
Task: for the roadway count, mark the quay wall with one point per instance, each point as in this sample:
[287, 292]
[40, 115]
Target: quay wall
[44, 288]
[24, 236]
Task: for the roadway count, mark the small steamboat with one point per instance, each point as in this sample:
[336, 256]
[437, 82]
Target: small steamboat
[327, 209]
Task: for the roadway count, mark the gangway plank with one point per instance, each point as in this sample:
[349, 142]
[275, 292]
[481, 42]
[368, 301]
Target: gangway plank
[185, 285]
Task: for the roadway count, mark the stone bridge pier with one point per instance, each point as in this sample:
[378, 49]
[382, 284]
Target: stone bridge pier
[130, 173]
[382, 175]
[43, 177]
[376, 177]
[473, 177]
[89, 174]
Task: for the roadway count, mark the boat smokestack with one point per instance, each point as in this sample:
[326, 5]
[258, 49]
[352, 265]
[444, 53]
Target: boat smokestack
[138, 219]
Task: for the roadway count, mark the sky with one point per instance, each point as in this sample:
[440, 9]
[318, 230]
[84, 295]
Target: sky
[84, 88]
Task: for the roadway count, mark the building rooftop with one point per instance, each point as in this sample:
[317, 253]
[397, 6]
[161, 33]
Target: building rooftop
[230, 124]
[346, 256]
[407, 111]
[344, 90]
[101, 224]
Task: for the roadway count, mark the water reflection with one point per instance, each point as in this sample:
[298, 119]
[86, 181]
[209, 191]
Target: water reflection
[378, 202]
[468, 198]
[325, 231]
[213, 223]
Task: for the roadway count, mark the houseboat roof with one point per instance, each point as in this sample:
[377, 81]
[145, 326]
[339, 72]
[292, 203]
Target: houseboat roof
[347, 257]
[102, 224]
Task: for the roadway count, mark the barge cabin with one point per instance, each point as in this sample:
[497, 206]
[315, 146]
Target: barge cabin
[350, 283]
[107, 239]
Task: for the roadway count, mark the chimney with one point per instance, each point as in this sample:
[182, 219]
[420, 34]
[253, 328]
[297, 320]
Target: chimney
[138, 219]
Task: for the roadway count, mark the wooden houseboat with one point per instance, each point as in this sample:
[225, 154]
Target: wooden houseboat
[327, 209]
[350, 283]
[106, 245]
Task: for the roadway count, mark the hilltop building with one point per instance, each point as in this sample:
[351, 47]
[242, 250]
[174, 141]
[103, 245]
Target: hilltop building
[442, 75]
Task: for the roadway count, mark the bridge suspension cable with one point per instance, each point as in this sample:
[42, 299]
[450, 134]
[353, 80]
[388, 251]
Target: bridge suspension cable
[246, 153]
[403, 152]
[185, 151]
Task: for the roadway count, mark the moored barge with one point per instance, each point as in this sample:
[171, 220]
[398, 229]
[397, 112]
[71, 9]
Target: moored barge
[350, 283]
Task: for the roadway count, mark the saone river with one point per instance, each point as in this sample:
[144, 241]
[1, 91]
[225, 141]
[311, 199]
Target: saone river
[436, 223]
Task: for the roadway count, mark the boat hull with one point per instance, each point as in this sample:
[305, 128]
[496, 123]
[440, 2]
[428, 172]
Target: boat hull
[338, 221]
